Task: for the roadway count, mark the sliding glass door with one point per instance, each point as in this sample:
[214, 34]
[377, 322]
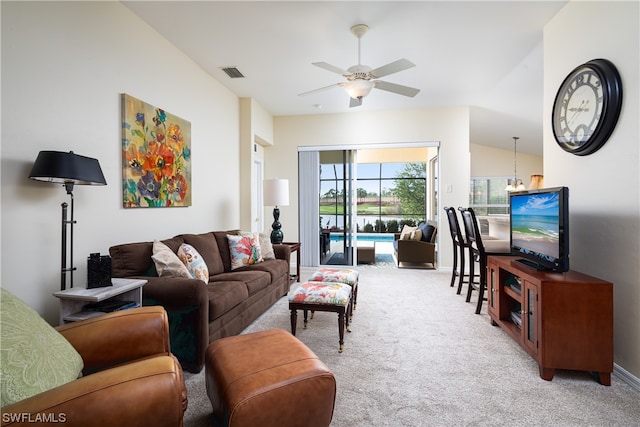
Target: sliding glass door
[366, 193]
[337, 169]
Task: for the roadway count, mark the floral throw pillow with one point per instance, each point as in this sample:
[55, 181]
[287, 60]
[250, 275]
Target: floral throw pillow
[244, 249]
[167, 263]
[194, 262]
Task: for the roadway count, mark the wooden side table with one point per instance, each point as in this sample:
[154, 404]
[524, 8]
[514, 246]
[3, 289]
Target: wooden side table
[295, 247]
[73, 300]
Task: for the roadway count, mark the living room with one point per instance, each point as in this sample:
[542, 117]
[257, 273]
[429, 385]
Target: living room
[66, 64]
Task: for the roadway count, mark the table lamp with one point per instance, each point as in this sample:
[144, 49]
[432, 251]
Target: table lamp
[276, 193]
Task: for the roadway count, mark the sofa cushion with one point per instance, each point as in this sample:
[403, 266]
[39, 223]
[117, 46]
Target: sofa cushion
[167, 262]
[223, 246]
[34, 357]
[255, 280]
[131, 259]
[207, 246]
[428, 232]
[192, 259]
[173, 243]
[275, 267]
[224, 295]
[244, 250]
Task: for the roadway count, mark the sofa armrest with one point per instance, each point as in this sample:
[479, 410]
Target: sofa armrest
[149, 392]
[119, 337]
[187, 304]
[282, 252]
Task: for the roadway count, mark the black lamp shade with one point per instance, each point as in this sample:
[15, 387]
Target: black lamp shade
[67, 168]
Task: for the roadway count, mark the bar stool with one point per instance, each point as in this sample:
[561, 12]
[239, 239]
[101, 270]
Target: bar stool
[459, 246]
[477, 254]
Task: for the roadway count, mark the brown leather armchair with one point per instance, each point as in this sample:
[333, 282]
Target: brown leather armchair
[130, 377]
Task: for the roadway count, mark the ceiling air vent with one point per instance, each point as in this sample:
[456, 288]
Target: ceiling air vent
[232, 72]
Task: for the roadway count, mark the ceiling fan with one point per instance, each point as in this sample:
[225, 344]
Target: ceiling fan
[361, 78]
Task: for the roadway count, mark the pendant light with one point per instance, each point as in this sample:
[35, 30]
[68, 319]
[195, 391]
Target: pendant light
[515, 184]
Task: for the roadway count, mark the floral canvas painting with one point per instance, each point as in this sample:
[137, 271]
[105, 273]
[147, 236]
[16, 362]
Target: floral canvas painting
[156, 156]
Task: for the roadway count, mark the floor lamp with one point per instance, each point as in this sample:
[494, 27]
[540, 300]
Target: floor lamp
[67, 169]
[276, 193]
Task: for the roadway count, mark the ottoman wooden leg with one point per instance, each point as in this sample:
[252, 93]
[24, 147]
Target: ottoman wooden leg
[306, 312]
[294, 321]
[341, 321]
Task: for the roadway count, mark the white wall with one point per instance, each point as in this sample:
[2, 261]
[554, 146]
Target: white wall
[493, 162]
[604, 187]
[449, 126]
[64, 66]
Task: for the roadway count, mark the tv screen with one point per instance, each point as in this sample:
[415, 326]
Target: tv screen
[540, 227]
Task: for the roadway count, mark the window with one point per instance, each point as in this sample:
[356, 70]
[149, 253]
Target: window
[487, 196]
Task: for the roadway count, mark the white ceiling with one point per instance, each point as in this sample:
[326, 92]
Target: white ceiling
[487, 55]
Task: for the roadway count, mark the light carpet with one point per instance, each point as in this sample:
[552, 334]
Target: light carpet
[418, 355]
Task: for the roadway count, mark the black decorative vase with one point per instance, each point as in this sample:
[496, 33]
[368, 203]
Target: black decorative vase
[276, 233]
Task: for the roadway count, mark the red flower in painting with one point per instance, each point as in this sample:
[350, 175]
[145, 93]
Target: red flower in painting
[177, 188]
[159, 160]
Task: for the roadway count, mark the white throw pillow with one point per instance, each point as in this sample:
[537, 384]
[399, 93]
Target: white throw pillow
[167, 263]
[265, 247]
[192, 259]
[406, 232]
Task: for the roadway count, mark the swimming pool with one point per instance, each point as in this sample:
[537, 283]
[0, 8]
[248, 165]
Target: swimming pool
[367, 237]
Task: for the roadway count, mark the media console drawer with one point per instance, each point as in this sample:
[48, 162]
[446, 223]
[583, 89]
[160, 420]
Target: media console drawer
[563, 320]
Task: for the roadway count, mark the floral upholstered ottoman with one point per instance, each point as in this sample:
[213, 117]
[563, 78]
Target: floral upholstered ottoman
[336, 275]
[321, 296]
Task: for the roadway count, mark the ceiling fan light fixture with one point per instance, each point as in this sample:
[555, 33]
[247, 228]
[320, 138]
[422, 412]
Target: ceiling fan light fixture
[358, 88]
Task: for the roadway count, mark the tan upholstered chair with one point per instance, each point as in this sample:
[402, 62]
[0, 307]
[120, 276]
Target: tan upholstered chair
[422, 251]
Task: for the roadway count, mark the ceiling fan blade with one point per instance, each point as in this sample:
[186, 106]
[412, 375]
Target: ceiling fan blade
[393, 67]
[396, 88]
[332, 68]
[355, 102]
[319, 89]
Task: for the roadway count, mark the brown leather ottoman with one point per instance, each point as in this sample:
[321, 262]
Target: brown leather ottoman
[268, 378]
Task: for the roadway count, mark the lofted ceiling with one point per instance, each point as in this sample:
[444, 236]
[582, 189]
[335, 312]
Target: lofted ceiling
[487, 55]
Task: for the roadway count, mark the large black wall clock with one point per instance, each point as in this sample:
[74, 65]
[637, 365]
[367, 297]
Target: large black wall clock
[587, 107]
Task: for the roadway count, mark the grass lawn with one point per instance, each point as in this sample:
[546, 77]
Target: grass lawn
[363, 209]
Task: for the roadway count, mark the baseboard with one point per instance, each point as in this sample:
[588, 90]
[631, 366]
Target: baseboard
[626, 376]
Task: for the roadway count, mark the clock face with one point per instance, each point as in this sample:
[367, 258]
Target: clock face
[580, 108]
[587, 107]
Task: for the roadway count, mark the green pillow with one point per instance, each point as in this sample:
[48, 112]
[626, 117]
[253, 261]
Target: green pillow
[34, 357]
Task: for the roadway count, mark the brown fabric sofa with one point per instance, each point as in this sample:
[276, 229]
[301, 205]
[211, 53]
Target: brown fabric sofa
[200, 313]
[129, 376]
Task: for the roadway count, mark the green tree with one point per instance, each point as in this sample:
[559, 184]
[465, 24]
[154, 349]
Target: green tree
[362, 193]
[330, 194]
[410, 188]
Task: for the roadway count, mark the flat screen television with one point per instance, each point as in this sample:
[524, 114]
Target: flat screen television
[540, 228]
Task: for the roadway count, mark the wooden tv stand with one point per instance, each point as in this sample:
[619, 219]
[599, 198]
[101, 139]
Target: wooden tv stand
[563, 320]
